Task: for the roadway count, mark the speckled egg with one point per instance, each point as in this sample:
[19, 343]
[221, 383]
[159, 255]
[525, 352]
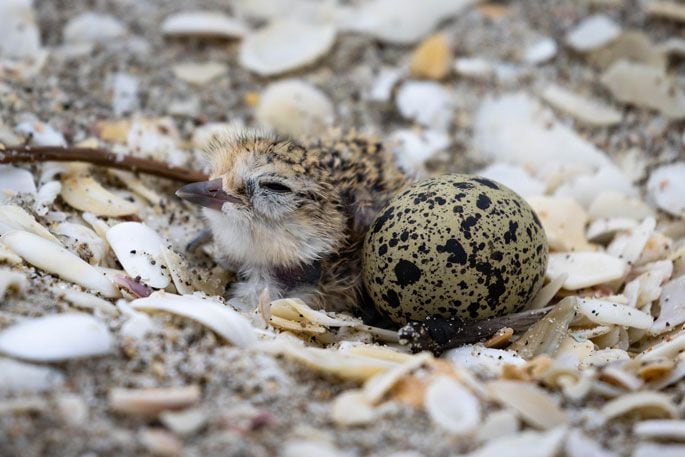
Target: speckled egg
[455, 245]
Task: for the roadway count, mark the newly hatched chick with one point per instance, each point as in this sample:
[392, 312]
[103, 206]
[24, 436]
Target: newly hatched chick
[291, 218]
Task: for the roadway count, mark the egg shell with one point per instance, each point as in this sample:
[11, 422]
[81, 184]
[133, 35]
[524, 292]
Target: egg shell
[454, 245]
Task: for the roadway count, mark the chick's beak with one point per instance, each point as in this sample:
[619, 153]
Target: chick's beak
[209, 194]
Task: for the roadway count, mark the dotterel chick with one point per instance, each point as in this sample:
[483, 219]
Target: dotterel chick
[290, 218]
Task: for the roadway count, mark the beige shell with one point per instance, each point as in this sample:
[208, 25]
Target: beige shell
[455, 245]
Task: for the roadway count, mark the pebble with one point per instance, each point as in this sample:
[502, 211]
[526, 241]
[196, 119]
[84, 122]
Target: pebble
[91, 27]
[285, 45]
[645, 86]
[413, 148]
[203, 24]
[431, 58]
[295, 107]
[593, 32]
[541, 51]
[199, 73]
[426, 102]
[586, 110]
[666, 187]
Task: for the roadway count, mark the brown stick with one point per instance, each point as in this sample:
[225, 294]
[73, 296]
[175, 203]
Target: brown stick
[101, 157]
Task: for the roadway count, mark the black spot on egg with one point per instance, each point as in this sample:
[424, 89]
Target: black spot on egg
[406, 273]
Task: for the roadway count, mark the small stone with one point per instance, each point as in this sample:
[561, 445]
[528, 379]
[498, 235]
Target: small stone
[666, 186]
[592, 33]
[584, 109]
[285, 45]
[645, 86]
[541, 51]
[632, 45]
[294, 107]
[427, 103]
[203, 24]
[431, 58]
[198, 73]
[93, 27]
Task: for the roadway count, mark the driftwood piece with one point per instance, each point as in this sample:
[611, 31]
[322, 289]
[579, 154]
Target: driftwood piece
[100, 157]
[437, 335]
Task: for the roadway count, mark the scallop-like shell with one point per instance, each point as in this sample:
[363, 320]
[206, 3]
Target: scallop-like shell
[230, 324]
[139, 250]
[285, 45]
[644, 404]
[85, 194]
[57, 337]
[585, 269]
[54, 259]
[452, 407]
[13, 217]
[604, 312]
[533, 404]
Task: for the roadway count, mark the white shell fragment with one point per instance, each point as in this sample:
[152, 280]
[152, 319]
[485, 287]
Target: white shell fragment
[629, 246]
[645, 86]
[57, 337]
[452, 407]
[564, 222]
[231, 325]
[666, 186]
[199, 73]
[352, 408]
[585, 110]
[203, 24]
[15, 180]
[672, 304]
[152, 401]
[529, 444]
[662, 450]
[285, 45]
[585, 269]
[82, 241]
[14, 217]
[86, 194]
[413, 148]
[643, 404]
[56, 260]
[514, 177]
[611, 204]
[426, 102]
[16, 376]
[486, 361]
[93, 27]
[534, 405]
[84, 300]
[661, 429]
[184, 422]
[11, 280]
[604, 312]
[295, 107]
[540, 52]
[139, 250]
[593, 32]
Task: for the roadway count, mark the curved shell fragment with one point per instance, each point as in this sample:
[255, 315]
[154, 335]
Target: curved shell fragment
[352, 408]
[452, 407]
[14, 217]
[56, 338]
[86, 194]
[139, 250]
[80, 237]
[230, 324]
[585, 269]
[532, 444]
[54, 259]
[533, 404]
[203, 24]
[644, 404]
[604, 312]
[672, 303]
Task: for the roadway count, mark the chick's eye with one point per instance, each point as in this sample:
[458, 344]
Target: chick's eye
[276, 187]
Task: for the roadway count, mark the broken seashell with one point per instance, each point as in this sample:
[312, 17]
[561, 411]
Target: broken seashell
[84, 300]
[203, 24]
[54, 259]
[564, 222]
[295, 107]
[229, 324]
[620, 378]
[294, 314]
[585, 110]
[593, 32]
[654, 370]
[413, 148]
[285, 45]
[15, 180]
[16, 376]
[14, 217]
[486, 361]
[184, 422]
[541, 51]
[601, 230]
[352, 408]
[90, 27]
[662, 450]
[538, 444]
[545, 336]
[514, 177]
[377, 386]
[578, 444]
[604, 357]
[498, 424]
[665, 9]
[452, 407]
[611, 204]
[672, 304]
[136, 185]
[535, 405]
[82, 241]
[661, 429]
[8, 256]
[642, 404]
[139, 250]
[630, 245]
[645, 86]
[605, 312]
[426, 102]
[152, 401]
[383, 84]
[86, 194]
[46, 196]
[666, 186]
[57, 337]
[199, 73]
[585, 269]
[12, 280]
